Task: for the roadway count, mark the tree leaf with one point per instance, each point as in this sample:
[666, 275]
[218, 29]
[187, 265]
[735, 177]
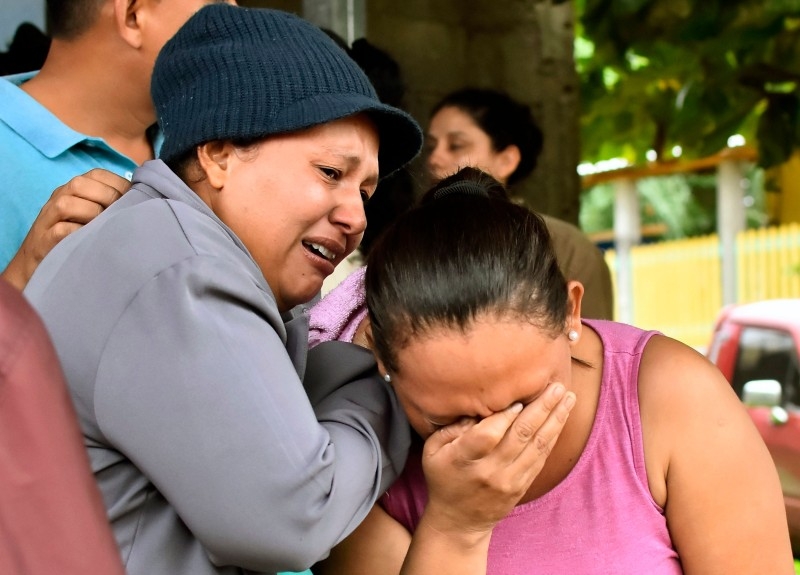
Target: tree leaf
[777, 130]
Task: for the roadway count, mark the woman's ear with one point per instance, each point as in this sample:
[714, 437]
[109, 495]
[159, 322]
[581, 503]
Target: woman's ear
[363, 334]
[384, 373]
[505, 162]
[213, 159]
[574, 298]
[367, 336]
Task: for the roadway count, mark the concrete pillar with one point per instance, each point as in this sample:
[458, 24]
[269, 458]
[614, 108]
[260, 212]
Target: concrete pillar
[731, 220]
[345, 17]
[627, 233]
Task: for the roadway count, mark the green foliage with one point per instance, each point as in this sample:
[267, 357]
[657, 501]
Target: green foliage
[684, 203]
[661, 73]
[667, 199]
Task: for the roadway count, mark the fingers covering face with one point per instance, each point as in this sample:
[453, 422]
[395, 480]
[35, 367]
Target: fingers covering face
[478, 470]
[530, 431]
[519, 432]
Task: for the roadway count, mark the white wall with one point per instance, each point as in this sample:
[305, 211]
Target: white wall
[15, 12]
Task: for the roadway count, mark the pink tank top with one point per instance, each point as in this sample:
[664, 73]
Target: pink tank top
[601, 518]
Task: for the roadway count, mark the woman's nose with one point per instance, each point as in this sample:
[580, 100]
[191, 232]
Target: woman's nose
[436, 160]
[349, 211]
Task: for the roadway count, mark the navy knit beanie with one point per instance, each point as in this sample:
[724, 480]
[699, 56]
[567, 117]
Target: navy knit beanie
[233, 73]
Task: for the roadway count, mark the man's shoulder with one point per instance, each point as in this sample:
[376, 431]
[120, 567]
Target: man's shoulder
[16, 102]
[15, 80]
[25, 119]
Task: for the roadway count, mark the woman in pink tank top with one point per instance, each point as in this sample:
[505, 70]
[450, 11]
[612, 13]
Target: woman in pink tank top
[547, 444]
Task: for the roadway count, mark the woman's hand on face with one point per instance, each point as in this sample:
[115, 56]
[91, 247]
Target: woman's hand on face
[477, 471]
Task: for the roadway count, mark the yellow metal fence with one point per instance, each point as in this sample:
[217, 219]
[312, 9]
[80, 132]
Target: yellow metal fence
[677, 285]
[768, 263]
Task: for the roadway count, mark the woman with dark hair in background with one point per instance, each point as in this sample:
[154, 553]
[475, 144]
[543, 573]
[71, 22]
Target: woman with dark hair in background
[489, 130]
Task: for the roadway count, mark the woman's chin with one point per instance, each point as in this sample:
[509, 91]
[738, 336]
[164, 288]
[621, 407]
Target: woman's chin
[308, 292]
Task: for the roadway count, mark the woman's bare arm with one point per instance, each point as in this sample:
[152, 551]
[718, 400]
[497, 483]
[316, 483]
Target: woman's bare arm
[708, 467]
[378, 546]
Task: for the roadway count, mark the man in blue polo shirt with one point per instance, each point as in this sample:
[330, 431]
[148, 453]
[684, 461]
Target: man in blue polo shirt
[89, 107]
[40, 153]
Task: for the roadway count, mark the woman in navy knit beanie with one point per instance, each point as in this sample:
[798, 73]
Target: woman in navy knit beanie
[220, 443]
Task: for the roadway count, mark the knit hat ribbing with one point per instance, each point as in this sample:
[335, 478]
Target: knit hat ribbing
[241, 73]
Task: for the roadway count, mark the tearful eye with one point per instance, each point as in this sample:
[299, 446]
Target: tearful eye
[438, 424]
[330, 173]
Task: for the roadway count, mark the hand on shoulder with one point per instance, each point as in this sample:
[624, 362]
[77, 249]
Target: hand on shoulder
[70, 207]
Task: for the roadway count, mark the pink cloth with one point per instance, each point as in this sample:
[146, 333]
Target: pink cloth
[601, 518]
[338, 315]
[52, 517]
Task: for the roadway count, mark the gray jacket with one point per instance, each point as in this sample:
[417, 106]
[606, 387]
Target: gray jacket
[220, 443]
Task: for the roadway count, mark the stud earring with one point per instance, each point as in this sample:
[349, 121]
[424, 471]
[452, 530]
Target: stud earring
[387, 378]
[572, 335]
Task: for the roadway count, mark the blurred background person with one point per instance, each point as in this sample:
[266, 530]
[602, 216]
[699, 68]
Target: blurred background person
[52, 518]
[396, 193]
[491, 131]
[26, 52]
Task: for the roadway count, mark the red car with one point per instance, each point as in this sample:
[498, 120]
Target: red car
[757, 348]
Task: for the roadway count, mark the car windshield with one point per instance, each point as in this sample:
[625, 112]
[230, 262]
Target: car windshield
[768, 354]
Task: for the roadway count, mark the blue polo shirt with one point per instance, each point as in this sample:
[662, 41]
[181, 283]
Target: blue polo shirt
[39, 153]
